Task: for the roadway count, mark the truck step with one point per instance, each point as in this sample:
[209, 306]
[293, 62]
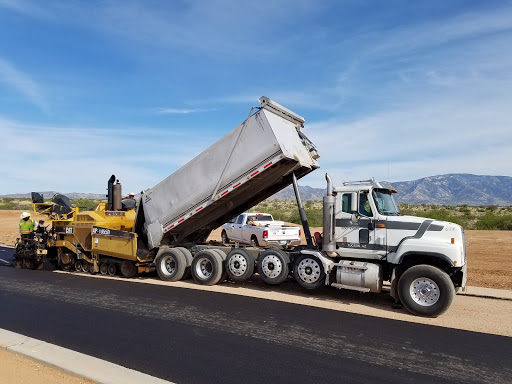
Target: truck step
[343, 286]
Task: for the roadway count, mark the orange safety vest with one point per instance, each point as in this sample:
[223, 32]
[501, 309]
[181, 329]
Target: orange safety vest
[26, 227]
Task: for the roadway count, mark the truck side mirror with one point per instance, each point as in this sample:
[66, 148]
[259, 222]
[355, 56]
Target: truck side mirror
[353, 203]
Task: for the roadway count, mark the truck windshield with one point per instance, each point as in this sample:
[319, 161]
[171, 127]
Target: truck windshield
[385, 202]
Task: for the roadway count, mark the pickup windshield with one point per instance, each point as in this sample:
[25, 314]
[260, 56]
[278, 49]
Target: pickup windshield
[385, 202]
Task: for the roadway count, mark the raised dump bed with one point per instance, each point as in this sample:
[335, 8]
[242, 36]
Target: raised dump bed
[249, 164]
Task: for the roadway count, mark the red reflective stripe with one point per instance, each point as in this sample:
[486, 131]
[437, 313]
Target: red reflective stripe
[198, 209]
[222, 194]
[171, 226]
[268, 165]
[181, 221]
[255, 173]
[234, 186]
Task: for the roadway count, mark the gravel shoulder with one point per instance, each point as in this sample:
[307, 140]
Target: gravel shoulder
[16, 368]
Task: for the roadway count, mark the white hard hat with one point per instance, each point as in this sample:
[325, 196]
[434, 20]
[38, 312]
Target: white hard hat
[24, 214]
[131, 194]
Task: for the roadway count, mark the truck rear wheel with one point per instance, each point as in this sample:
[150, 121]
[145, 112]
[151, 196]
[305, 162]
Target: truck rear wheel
[225, 238]
[189, 258]
[273, 266]
[239, 265]
[425, 290]
[207, 267]
[308, 271]
[170, 264]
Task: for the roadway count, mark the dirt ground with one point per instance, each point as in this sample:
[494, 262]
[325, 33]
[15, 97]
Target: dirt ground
[489, 252]
[17, 369]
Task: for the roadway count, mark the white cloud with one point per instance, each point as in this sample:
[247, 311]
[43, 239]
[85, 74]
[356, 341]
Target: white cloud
[23, 84]
[81, 159]
[182, 111]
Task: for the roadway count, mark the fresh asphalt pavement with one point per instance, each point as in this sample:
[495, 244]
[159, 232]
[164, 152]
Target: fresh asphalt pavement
[189, 336]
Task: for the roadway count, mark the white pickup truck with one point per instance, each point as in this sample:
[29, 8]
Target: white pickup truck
[264, 231]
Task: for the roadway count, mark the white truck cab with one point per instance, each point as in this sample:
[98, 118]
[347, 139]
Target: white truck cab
[366, 241]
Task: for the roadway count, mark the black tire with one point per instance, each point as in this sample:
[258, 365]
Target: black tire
[129, 269]
[273, 266]
[207, 267]
[111, 269]
[91, 269]
[254, 241]
[170, 264]
[78, 265]
[239, 265]
[425, 290]
[224, 237]
[103, 268]
[189, 258]
[223, 256]
[308, 271]
[85, 266]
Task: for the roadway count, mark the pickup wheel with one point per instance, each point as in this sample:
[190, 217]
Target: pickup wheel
[207, 267]
[273, 266]
[254, 241]
[239, 265]
[170, 264]
[308, 271]
[425, 290]
[224, 237]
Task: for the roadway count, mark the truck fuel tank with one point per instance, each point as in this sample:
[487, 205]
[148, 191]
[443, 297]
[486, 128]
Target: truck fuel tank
[358, 276]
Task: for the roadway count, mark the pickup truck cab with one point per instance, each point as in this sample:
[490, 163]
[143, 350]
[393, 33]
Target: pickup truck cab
[260, 229]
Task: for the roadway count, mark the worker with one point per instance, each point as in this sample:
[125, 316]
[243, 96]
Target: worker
[252, 221]
[27, 226]
[131, 195]
[364, 205]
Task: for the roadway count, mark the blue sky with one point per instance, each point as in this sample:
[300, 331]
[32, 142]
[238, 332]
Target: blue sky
[397, 90]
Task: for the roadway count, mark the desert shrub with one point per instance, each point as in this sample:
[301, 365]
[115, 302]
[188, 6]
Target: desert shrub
[15, 203]
[84, 204]
[494, 222]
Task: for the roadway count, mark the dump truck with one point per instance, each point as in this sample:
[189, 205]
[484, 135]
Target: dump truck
[365, 242]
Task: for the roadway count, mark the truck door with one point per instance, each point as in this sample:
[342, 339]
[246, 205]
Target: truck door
[236, 228]
[356, 238]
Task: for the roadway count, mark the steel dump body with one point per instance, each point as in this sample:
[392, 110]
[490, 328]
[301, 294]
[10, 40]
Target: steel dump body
[249, 164]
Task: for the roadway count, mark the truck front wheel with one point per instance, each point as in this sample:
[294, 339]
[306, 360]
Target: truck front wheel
[425, 290]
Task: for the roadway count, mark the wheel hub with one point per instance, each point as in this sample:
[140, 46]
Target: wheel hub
[309, 270]
[237, 265]
[170, 265]
[205, 268]
[425, 292]
[272, 266]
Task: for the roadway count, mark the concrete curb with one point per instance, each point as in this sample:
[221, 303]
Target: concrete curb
[488, 293]
[74, 362]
